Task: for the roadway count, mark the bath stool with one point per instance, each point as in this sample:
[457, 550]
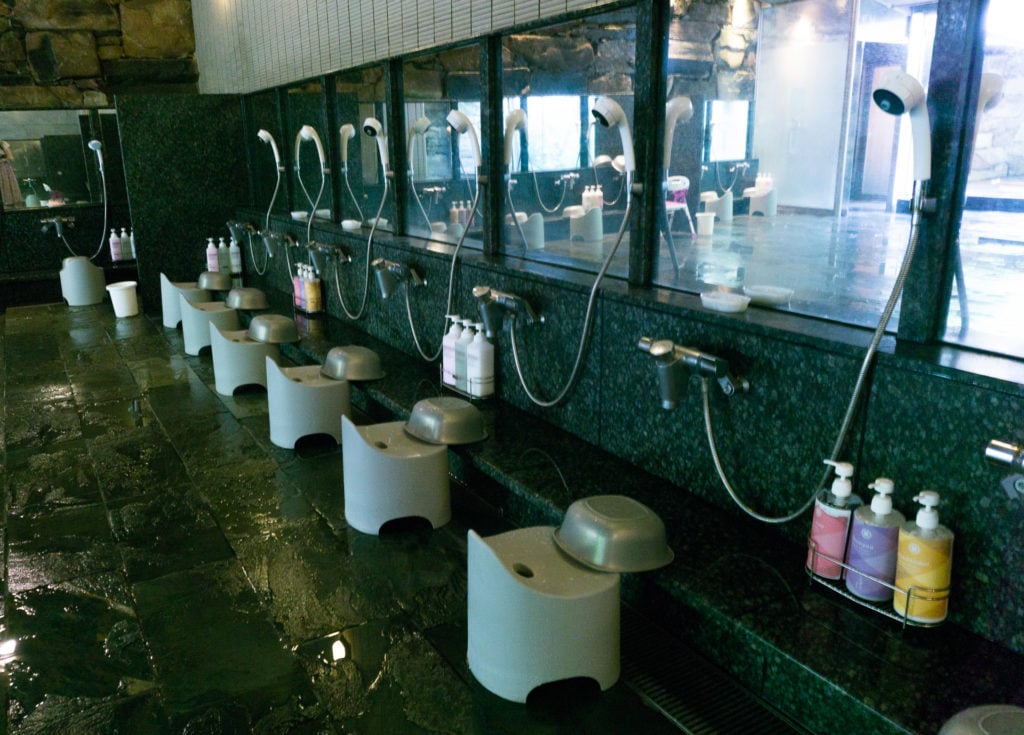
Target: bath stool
[390, 474]
[720, 205]
[762, 201]
[81, 282]
[238, 359]
[537, 616]
[302, 402]
[169, 303]
[197, 318]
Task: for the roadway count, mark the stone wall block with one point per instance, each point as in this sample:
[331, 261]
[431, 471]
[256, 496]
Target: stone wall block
[63, 15]
[157, 29]
[35, 97]
[12, 48]
[66, 55]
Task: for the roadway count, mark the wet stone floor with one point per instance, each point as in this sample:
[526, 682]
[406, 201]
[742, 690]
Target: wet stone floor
[168, 570]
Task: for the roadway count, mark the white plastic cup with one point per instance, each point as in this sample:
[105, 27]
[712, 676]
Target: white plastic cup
[705, 224]
[124, 298]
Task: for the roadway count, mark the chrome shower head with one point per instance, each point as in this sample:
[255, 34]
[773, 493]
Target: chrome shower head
[96, 147]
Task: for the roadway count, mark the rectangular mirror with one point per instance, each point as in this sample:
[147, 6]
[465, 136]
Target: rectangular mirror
[567, 190]
[309, 148]
[266, 155]
[439, 88]
[46, 161]
[365, 195]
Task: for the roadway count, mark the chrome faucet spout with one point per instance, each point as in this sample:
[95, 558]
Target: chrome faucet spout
[676, 364]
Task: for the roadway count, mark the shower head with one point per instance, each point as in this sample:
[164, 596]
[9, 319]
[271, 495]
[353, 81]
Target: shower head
[678, 109]
[990, 93]
[373, 128]
[609, 113]
[96, 147]
[897, 93]
[307, 133]
[493, 304]
[266, 137]
[516, 121]
[346, 132]
[462, 124]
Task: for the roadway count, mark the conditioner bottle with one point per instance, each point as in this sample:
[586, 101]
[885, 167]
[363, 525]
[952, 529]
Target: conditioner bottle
[924, 564]
[871, 557]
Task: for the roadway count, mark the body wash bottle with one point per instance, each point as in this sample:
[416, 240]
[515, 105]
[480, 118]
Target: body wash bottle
[831, 523]
[924, 564]
[448, 349]
[873, 539]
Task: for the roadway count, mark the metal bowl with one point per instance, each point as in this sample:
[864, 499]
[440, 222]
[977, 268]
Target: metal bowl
[446, 420]
[249, 299]
[352, 362]
[273, 329]
[214, 281]
[613, 533]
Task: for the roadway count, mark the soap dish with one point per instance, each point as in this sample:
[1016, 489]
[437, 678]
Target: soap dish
[769, 295]
[724, 301]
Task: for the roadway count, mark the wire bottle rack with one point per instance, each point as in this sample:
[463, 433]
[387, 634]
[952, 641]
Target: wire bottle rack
[911, 595]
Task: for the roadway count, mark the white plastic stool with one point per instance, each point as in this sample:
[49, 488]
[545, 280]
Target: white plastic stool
[389, 475]
[81, 282]
[720, 205]
[302, 402]
[762, 201]
[238, 359]
[197, 318]
[169, 303]
[536, 616]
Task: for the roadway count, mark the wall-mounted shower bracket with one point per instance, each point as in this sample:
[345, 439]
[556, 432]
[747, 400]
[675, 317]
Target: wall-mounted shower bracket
[58, 222]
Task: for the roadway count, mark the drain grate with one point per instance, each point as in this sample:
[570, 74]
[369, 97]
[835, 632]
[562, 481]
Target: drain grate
[687, 688]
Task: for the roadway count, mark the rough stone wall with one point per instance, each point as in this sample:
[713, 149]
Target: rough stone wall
[79, 53]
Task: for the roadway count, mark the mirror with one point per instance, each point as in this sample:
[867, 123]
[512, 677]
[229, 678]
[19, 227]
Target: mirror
[307, 145]
[262, 113]
[567, 188]
[441, 179]
[802, 182]
[358, 97]
[46, 161]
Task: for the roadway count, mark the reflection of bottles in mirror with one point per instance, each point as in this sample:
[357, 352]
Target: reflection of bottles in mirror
[131, 241]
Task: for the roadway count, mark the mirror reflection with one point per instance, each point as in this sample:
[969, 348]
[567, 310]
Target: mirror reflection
[568, 111]
[364, 150]
[442, 119]
[789, 184]
[310, 148]
[46, 159]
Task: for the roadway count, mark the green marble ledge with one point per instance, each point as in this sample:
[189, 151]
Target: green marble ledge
[737, 590]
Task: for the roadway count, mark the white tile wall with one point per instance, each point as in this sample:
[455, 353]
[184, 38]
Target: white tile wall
[247, 45]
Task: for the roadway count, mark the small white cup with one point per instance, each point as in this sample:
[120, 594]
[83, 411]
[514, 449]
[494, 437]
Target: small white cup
[705, 224]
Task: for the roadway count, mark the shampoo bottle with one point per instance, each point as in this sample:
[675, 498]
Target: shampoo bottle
[873, 539]
[297, 287]
[448, 349]
[312, 287]
[480, 364]
[830, 525]
[223, 256]
[461, 378]
[131, 241]
[212, 261]
[235, 258]
[924, 564]
[115, 245]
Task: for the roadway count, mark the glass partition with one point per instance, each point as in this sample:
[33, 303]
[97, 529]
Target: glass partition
[802, 182]
[46, 159]
[567, 192]
[442, 118]
[309, 145]
[359, 107]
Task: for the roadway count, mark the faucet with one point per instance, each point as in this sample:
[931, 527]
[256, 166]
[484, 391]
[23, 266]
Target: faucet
[1000, 452]
[389, 274]
[493, 304]
[57, 223]
[676, 364]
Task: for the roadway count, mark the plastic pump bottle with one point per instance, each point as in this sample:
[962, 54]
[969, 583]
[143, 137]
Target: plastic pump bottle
[924, 564]
[115, 245]
[480, 364]
[223, 256]
[873, 539]
[131, 241]
[448, 349]
[212, 260]
[461, 357]
[830, 525]
[235, 258]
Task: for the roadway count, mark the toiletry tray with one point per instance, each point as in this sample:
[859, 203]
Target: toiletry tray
[882, 608]
[449, 388]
